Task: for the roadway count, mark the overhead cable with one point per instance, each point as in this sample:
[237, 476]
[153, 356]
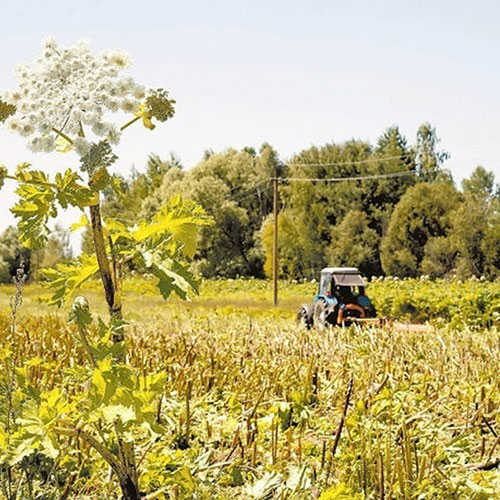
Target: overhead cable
[340, 163]
[345, 179]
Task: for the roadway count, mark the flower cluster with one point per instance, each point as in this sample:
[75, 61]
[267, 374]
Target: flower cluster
[68, 92]
[159, 105]
[6, 110]
[99, 155]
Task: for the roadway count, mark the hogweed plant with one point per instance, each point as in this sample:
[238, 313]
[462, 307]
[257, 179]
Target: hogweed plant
[65, 102]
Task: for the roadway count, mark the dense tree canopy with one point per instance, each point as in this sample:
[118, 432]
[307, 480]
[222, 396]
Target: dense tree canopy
[233, 187]
[403, 217]
[422, 214]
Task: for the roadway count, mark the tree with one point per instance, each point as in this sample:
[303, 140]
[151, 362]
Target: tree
[490, 245]
[292, 251]
[481, 183]
[428, 159]
[12, 253]
[469, 222]
[354, 243]
[422, 214]
[234, 189]
[318, 207]
[440, 254]
[57, 248]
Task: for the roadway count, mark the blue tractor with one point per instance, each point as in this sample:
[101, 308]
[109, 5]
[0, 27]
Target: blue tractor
[341, 299]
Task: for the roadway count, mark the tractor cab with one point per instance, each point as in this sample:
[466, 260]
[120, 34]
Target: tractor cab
[343, 283]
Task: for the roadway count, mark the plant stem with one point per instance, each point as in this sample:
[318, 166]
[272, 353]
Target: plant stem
[123, 127]
[36, 183]
[340, 427]
[63, 135]
[112, 299]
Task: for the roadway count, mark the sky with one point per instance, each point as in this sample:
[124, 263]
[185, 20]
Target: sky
[291, 73]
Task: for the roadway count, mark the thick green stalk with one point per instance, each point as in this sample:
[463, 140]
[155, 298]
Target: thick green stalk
[109, 285]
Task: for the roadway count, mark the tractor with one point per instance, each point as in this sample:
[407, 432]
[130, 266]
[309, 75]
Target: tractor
[341, 300]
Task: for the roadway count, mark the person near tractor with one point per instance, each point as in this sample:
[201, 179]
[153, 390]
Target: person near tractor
[363, 301]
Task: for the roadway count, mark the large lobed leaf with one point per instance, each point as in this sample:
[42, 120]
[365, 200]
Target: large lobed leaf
[176, 224]
[37, 201]
[163, 244]
[64, 279]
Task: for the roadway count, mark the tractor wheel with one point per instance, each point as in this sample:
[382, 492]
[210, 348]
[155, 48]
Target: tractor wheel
[320, 313]
[305, 316]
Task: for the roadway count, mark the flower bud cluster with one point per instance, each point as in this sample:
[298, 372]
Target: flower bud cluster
[70, 89]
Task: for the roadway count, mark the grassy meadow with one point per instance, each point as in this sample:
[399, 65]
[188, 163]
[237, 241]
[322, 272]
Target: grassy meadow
[254, 406]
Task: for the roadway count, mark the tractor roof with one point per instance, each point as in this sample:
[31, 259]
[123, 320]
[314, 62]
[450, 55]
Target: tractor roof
[340, 270]
[343, 276]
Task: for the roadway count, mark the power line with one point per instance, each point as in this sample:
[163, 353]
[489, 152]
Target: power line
[341, 163]
[248, 193]
[345, 179]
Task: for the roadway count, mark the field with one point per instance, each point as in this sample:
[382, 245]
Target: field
[254, 406]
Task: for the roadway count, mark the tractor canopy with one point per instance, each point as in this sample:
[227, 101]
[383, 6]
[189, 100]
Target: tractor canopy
[339, 276]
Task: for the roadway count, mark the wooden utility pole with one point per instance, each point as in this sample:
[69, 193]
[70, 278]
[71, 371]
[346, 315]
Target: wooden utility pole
[275, 242]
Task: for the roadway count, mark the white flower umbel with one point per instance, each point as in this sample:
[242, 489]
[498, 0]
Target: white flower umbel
[69, 91]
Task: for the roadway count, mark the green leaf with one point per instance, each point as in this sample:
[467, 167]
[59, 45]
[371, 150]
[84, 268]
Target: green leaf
[101, 179]
[104, 384]
[37, 201]
[156, 383]
[34, 208]
[64, 279]
[175, 225]
[172, 277]
[83, 222]
[70, 192]
[339, 492]
[112, 413]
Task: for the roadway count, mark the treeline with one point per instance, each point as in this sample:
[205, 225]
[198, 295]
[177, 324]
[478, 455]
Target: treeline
[14, 256]
[404, 216]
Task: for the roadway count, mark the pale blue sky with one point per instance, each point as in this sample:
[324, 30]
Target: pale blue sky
[287, 72]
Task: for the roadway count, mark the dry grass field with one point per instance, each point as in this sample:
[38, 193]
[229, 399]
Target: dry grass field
[254, 406]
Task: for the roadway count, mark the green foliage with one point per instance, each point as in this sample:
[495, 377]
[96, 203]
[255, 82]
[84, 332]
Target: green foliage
[480, 183]
[233, 189]
[491, 243]
[318, 208]
[263, 394]
[354, 243]
[65, 278]
[293, 250]
[12, 253]
[39, 198]
[161, 246]
[422, 214]
[428, 159]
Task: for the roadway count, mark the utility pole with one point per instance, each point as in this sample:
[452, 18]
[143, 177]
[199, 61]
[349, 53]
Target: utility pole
[275, 242]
